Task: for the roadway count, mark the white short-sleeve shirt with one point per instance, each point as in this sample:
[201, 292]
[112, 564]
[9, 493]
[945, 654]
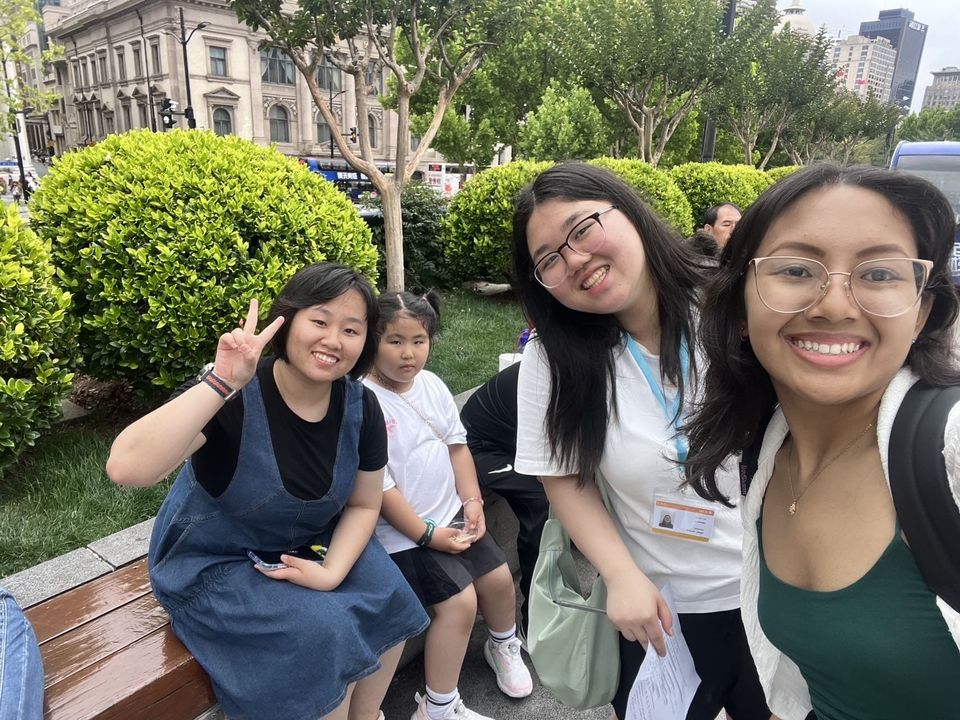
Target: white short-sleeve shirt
[705, 577]
[419, 461]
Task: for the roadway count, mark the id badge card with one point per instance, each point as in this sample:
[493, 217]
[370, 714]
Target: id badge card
[683, 517]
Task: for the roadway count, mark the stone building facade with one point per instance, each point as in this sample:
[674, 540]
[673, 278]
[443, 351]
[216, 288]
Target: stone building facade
[944, 91]
[124, 57]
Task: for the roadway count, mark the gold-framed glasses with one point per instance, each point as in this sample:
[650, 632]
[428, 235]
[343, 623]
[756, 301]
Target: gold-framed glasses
[886, 287]
[586, 237]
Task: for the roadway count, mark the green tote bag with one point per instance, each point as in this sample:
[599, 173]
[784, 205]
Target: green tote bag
[573, 645]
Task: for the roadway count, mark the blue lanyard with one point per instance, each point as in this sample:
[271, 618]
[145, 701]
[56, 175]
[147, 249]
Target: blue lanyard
[671, 411]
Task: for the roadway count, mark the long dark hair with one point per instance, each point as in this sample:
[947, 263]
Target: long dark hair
[317, 284]
[580, 347]
[738, 394]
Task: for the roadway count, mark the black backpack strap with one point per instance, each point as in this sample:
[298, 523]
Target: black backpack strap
[750, 457]
[925, 506]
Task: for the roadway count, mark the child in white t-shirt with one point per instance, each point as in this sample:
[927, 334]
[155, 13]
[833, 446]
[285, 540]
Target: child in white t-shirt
[430, 486]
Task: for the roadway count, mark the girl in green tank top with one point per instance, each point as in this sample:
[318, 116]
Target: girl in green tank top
[832, 298]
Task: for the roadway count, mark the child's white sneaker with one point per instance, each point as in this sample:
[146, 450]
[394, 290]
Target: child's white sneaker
[455, 711]
[513, 677]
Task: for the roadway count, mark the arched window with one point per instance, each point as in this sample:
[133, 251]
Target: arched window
[279, 125]
[222, 122]
[323, 130]
[372, 127]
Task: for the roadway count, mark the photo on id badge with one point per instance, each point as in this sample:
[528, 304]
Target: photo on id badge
[682, 516]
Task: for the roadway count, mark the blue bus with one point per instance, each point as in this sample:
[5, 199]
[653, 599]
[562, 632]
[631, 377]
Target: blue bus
[938, 162]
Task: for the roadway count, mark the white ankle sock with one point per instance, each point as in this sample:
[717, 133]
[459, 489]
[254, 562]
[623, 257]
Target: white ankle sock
[503, 637]
[438, 703]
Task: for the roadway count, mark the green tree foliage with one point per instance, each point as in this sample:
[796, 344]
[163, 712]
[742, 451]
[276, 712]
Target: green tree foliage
[476, 231]
[37, 337]
[163, 238]
[412, 40]
[931, 124]
[566, 126]
[657, 188]
[508, 85]
[653, 59]
[707, 184]
[762, 95]
[16, 17]
[833, 128]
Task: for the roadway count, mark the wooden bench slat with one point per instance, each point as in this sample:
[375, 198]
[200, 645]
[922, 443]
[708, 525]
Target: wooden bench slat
[188, 701]
[65, 612]
[113, 687]
[88, 644]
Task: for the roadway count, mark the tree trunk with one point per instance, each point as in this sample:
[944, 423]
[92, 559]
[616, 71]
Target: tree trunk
[392, 234]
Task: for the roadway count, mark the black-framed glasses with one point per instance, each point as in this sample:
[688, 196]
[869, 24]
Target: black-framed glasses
[886, 287]
[586, 237]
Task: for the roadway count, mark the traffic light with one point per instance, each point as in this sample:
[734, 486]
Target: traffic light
[167, 108]
[353, 135]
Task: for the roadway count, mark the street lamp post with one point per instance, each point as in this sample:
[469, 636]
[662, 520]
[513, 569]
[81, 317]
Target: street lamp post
[153, 114]
[183, 40]
[709, 127]
[330, 105]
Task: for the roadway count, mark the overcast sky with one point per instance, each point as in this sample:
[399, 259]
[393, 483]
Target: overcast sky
[942, 46]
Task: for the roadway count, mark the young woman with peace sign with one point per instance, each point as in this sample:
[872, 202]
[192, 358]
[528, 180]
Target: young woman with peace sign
[280, 453]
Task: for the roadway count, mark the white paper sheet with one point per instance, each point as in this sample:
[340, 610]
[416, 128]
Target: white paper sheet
[665, 686]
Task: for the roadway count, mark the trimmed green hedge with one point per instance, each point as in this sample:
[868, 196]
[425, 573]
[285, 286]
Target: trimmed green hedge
[37, 337]
[707, 184]
[163, 238]
[656, 187]
[477, 229]
[779, 173]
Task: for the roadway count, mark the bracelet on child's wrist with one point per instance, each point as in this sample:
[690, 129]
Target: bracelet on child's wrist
[476, 499]
[428, 533]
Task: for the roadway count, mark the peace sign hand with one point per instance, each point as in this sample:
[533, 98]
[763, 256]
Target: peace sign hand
[239, 350]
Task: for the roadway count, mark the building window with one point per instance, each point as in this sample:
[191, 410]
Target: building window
[83, 72]
[218, 61]
[108, 126]
[323, 130]
[372, 130]
[93, 69]
[276, 67]
[414, 142]
[279, 125]
[121, 64]
[144, 119]
[222, 122]
[328, 76]
[137, 62]
[127, 121]
[76, 74]
[155, 57]
[102, 61]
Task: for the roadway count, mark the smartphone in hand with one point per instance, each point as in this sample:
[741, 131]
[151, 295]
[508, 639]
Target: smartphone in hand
[270, 560]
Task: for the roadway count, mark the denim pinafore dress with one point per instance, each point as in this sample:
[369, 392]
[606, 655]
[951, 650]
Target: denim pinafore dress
[274, 649]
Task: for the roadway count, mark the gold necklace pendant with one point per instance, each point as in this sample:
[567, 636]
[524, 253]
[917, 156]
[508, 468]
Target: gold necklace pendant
[793, 508]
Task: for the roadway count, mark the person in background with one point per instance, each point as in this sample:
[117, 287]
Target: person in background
[835, 297]
[490, 418]
[21, 667]
[720, 220]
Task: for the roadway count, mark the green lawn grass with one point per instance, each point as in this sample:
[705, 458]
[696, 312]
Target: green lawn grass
[57, 497]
